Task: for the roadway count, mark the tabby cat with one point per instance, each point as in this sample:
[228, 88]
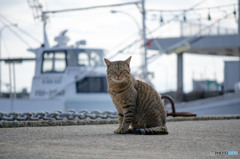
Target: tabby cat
[137, 103]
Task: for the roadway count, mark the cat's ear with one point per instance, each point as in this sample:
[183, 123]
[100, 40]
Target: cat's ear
[128, 60]
[107, 62]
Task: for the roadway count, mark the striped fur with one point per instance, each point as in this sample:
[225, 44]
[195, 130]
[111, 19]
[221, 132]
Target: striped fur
[140, 108]
[160, 130]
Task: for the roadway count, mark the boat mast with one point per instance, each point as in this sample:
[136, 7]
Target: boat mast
[39, 13]
[45, 38]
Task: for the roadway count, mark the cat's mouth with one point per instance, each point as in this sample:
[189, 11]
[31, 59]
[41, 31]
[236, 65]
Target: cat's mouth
[117, 80]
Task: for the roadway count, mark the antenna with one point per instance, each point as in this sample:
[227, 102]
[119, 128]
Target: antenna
[36, 8]
[38, 13]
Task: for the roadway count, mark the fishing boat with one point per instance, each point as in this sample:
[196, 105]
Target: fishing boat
[66, 77]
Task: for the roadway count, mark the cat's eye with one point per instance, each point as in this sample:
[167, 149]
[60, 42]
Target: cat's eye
[110, 72]
[125, 72]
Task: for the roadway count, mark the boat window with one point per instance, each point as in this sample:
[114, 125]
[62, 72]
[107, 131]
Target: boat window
[83, 59]
[47, 62]
[54, 62]
[95, 59]
[92, 85]
[60, 62]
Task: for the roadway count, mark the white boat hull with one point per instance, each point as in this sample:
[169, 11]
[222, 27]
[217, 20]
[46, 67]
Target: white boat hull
[90, 102]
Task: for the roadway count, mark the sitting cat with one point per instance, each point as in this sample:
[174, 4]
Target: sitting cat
[137, 103]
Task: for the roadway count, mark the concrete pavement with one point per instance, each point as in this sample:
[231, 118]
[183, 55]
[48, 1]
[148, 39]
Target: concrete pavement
[187, 139]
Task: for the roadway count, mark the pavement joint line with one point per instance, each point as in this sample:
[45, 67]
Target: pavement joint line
[47, 123]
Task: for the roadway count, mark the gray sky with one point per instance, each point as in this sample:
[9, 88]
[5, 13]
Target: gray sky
[109, 31]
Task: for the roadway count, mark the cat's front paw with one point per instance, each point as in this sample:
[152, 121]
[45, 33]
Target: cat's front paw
[120, 131]
[117, 131]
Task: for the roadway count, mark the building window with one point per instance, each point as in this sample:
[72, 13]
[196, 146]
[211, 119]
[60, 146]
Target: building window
[54, 61]
[92, 85]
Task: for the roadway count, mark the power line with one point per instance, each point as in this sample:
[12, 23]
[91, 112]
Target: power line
[21, 30]
[190, 9]
[26, 33]
[138, 40]
[193, 38]
[17, 35]
[93, 7]
[124, 41]
[174, 18]
[6, 48]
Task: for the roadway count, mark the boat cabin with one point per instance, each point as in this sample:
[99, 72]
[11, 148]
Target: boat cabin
[66, 71]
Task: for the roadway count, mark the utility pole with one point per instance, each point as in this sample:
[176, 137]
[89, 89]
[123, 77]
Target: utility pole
[10, 82]
[145, 70]
[1, 32]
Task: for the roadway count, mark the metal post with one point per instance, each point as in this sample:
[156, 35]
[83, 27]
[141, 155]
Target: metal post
[1, 57]
[180, 72]
[10, 82]
[145, 70]
[1, 31]
[181, 27]
[14, 82]
[200, 26]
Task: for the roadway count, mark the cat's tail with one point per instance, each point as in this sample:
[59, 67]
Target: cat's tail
[160, 130]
